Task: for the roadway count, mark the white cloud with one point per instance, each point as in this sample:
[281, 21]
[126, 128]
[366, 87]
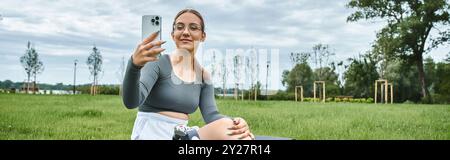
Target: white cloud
[66, 30]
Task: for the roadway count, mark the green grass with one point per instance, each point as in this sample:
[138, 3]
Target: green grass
[104, 117]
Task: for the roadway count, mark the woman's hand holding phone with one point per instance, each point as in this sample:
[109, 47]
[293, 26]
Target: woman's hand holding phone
[148, 50]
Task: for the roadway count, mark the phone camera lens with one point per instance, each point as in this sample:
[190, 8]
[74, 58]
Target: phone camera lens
[153, 20]
[157, 18]
[157, 22]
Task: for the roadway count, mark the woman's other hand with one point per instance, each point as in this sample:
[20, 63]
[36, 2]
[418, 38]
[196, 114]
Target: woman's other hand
[241, 128]
[148, 50]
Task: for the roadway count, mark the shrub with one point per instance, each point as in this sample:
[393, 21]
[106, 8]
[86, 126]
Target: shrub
[345, 100]
[439, 98]
[329, 100]
[408, 102]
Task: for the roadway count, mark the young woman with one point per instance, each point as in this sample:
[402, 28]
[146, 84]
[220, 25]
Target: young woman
[168, 88]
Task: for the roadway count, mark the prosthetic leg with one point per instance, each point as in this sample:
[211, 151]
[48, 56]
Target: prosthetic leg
[183, 132]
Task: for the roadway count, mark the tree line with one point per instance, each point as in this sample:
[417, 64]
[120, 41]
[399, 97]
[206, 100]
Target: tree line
[397, 54]
[109, 89]
[33, 65]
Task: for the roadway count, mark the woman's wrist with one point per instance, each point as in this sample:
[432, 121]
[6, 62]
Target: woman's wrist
[134, 65]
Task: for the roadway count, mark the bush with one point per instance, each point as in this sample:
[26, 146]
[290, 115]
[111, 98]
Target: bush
[442, 99]
[310, 99]
[408, 102]
[282, 95]
[329, 100]
[109, 90]
[345, 100]
[101, 89]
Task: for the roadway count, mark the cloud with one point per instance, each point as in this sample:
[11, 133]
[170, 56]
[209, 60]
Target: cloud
[63, 31]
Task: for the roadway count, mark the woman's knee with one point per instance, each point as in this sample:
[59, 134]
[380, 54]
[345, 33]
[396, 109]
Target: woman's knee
[218, 129]
[226, 122]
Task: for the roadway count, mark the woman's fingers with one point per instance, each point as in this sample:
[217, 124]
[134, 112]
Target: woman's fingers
[237, 120]
[236, 127]
[252, 136]
[153, 52]
[141, 58]
[152, 44]
[237, 123]
[245, 134]
[150, 38]
[240, 125]
[238, 131]
[146, 53]
[148, 59]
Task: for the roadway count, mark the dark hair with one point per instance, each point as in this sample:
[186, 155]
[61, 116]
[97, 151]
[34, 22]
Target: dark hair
[193, 11]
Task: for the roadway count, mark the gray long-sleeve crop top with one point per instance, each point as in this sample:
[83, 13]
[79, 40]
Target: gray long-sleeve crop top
[155, 88]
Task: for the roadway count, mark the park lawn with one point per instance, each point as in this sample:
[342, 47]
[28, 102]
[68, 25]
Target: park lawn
[104, 117]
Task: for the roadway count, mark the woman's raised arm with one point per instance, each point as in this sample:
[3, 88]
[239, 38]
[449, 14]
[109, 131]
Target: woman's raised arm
[143, 61]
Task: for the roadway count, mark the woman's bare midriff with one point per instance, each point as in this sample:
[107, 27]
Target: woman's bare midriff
[177, 115]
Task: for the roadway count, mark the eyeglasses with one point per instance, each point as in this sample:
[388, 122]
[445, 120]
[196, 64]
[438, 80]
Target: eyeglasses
[193, 27]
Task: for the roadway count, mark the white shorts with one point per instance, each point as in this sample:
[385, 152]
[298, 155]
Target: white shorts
[154, 126]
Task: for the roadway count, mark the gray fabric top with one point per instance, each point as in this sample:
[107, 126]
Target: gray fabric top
[155, 88]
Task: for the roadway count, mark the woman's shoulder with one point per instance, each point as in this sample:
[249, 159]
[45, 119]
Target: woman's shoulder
[207, 79]
[206, 75]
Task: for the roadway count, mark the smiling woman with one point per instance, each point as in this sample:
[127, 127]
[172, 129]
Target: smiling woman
[168, 88]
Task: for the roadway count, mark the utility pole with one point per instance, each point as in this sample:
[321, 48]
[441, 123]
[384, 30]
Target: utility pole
[267, 78]
[257, 76]
[121, 75]
[74, 74]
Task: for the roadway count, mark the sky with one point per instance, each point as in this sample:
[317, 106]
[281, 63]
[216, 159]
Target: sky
[62, 31]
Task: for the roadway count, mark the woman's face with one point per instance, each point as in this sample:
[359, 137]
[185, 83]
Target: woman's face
[187, 32]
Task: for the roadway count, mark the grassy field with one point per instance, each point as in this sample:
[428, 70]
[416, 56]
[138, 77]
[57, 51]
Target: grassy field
[104, 117]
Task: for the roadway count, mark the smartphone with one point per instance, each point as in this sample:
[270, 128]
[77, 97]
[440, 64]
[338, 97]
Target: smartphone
[151, 24]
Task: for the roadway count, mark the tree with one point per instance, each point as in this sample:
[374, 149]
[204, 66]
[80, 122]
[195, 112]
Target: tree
[302, 75]
[301, 57]
[253, 69]
[247, 73]
[448, 58]
[321, 54]
[26, 61]
[237, 64]
[409, 23]
[403, 75]
[442, 81]
[213, 66]
[223, 72]
[360, 76]
[284, 77]
[32, 65]
[94, 63]
[7, 84]
[430, 72]
[331, 80]
[37, 68]
[340, 68]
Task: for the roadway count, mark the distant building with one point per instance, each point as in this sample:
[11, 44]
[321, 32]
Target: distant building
[30, 87]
